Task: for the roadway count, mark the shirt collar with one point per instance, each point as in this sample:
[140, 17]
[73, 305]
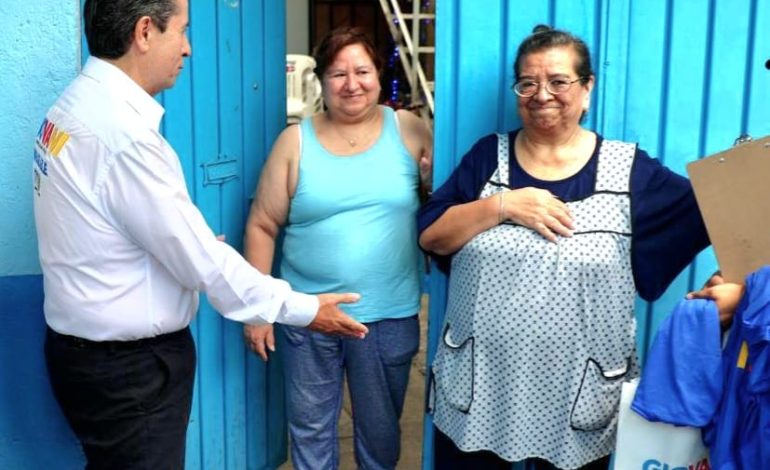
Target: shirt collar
[121, 84]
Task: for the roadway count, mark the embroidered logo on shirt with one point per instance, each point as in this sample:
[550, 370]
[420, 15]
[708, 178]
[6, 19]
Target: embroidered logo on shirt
[40, 162]
[51, 138]
[36, 181]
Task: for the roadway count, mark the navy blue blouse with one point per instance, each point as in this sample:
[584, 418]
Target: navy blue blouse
[667, 227]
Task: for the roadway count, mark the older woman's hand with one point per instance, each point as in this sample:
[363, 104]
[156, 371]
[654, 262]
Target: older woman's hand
[537, 209]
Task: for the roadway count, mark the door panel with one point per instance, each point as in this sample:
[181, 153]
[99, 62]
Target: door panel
[223, 115]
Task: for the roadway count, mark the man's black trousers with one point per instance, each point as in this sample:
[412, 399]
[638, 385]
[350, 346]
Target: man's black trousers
[127, 402]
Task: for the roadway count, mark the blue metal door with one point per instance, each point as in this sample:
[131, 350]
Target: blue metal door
[683, 79]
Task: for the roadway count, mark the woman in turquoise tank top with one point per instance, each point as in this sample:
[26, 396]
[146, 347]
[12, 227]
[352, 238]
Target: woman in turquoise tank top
[344, 185]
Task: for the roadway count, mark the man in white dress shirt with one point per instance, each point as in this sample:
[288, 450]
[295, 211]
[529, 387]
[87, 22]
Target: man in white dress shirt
[124, 251]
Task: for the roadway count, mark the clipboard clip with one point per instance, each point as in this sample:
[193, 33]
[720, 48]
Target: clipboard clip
[742, 139]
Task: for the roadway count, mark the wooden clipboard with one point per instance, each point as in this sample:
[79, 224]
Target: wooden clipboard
[733, 193]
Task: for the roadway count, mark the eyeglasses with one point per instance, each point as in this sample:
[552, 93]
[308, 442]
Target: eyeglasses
[554, 86]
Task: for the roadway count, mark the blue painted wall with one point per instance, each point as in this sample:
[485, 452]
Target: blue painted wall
[682, 78]
[39, 55]
[228, 105]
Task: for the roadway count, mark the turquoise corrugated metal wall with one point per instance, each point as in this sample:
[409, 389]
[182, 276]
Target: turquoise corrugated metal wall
[683, 78]
[222, 117]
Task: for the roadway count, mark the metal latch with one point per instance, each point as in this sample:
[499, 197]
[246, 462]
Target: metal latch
[220, 171]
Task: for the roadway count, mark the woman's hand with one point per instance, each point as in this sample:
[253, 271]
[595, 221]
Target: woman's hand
[419, 141]
[259, 338]
[726, 295]
[539, 210]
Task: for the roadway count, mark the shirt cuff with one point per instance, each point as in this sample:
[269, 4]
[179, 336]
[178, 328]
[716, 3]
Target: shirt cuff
[299, 309]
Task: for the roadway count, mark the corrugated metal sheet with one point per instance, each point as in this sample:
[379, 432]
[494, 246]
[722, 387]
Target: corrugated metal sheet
[224, 113]
[682, 78]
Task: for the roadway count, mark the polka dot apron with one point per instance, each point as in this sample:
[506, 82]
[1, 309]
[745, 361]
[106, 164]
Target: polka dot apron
[539, 336]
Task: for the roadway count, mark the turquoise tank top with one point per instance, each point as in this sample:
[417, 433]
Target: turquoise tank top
[352, 225]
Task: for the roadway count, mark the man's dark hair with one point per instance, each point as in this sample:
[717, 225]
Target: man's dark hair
[109, 24]
[543, 38]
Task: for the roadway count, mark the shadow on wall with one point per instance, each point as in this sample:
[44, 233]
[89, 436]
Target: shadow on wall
[33, 432]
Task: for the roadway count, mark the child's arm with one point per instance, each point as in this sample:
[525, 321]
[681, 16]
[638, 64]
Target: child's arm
[726, 295]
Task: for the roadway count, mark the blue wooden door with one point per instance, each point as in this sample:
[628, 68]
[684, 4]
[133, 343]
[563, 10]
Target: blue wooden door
[222, 116]
[682, 78]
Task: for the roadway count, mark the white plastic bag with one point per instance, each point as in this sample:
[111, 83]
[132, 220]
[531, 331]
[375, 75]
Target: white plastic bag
[646, 445]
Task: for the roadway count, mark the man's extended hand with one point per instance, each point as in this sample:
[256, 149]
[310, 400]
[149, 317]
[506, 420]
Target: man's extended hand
[331, 320]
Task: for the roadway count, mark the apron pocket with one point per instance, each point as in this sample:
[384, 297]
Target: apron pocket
[453, 370]
[596, 404]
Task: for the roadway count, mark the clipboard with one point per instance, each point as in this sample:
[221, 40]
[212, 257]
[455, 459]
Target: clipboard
[732, 189]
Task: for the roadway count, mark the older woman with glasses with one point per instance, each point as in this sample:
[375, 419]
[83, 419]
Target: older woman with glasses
[552, 231]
